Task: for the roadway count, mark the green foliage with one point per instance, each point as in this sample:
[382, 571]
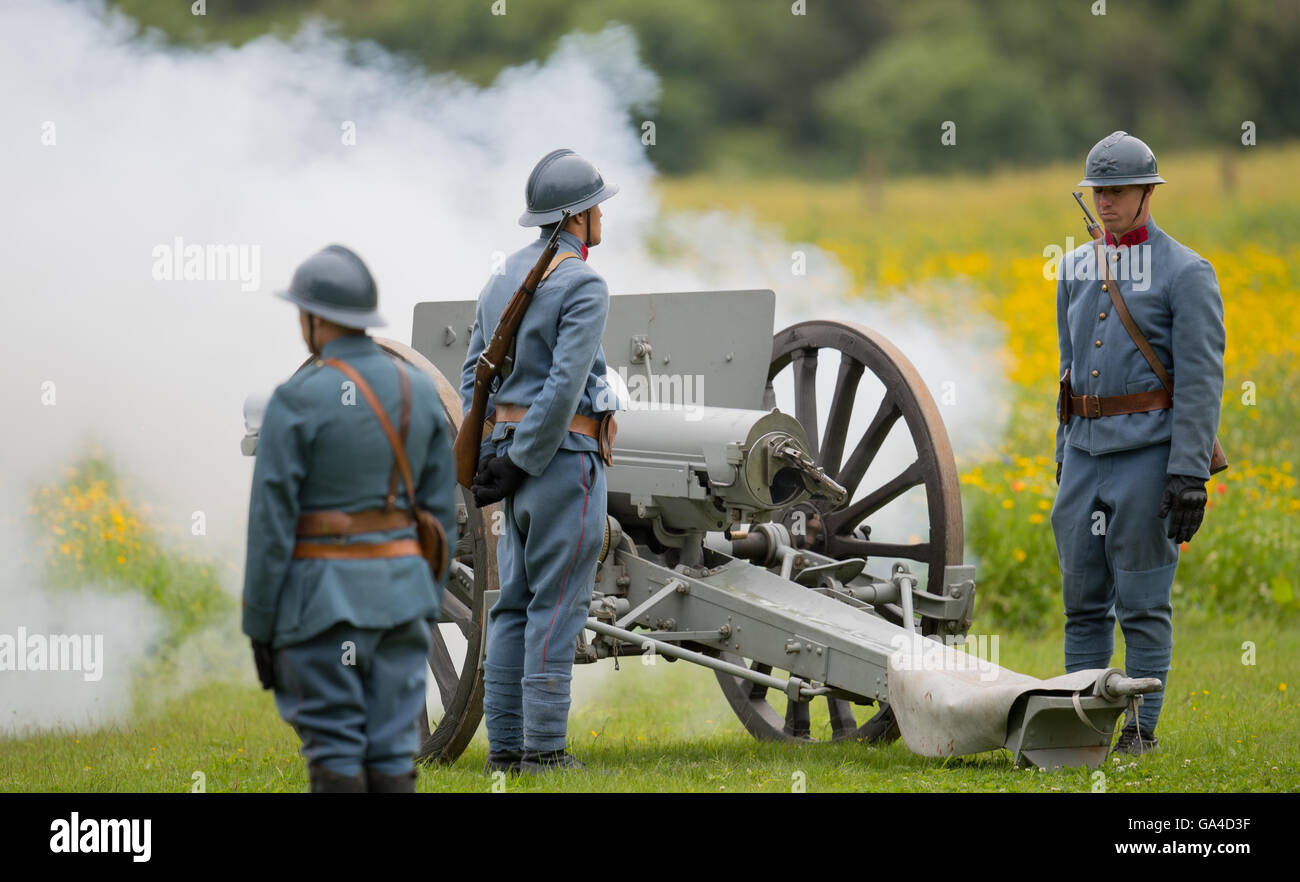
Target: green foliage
[896, 101]
[91, 533]
[1021, 80]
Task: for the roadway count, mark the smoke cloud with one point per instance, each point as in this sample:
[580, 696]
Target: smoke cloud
[119, 151]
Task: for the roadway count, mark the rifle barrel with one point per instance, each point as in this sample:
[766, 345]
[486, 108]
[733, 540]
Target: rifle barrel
[1078, 197]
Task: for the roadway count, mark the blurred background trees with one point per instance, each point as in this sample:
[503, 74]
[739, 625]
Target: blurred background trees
[750, 88]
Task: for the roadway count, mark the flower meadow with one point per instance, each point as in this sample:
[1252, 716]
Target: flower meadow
[968, 252]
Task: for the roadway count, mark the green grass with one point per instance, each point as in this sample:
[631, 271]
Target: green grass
[1226, 726]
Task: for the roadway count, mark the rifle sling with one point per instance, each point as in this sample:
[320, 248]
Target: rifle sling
[398, 448]
[1218, 461]
[1111, 287]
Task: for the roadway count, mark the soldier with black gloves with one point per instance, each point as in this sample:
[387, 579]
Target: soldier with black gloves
[1132, 458]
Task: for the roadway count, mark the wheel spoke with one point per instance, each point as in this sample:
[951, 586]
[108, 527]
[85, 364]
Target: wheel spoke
[844, 521]
[757, 691]
[797, 721]
[837, 423]
[456, 613]
[852, 546]
[843, 723]
[444, 669]
[805, 395]
[886, 415]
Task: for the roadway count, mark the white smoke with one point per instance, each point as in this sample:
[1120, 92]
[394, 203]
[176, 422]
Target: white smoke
[114, 145]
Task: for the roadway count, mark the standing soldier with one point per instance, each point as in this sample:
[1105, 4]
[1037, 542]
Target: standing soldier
[1131, 459]
[338, 600]
[541, 457]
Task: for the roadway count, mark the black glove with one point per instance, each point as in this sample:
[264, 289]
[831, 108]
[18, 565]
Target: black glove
[1184, 501]
[1058, 474]
[265, 662]
[496, 479]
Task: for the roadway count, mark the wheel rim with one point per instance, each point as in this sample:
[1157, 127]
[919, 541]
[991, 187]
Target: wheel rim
[905, 400]
[454, 697]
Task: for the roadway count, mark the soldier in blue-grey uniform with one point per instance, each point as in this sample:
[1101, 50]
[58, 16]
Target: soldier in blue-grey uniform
[338, 601]
[542, 457]
[1131, 461]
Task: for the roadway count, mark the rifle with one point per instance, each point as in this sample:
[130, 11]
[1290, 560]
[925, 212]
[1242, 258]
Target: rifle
[488, 368]
[1218, 461]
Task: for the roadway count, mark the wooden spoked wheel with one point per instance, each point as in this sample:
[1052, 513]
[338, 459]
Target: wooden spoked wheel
[454, 698]
[893, 406]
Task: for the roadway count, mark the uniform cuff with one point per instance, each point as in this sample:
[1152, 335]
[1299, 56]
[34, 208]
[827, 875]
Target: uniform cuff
[259, 624]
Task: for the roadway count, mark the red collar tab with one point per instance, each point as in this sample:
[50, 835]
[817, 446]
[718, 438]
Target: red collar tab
[1132, 237]
[584, 249]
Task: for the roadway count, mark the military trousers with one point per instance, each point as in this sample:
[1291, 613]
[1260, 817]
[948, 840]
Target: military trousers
[354, 695]
[1117, 561]
[546, 557]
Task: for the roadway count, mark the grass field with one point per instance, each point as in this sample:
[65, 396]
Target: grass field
[666, 728]
[1227, 725]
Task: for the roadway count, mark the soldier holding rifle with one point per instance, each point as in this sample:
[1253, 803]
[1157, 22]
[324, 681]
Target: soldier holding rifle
[543, 450]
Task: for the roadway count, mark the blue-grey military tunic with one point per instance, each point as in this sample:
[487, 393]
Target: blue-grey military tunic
[555, 521]
[321, 447]
[1114, 552]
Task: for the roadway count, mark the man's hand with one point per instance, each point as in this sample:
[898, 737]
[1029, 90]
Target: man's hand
[1184, 501]
[1058, 474]
[265, 662]
[496, 479]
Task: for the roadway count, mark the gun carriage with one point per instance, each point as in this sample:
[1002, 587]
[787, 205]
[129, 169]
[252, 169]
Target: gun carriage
[810, 555]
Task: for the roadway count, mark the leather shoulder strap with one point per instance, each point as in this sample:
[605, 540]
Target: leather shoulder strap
[399, 450]
[391, 501]
[557, 260]
[1117, 300]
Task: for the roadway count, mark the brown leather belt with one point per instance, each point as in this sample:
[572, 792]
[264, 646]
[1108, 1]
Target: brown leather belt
[348, 523]
[512, 413]
[1091, 407]
[331, 550]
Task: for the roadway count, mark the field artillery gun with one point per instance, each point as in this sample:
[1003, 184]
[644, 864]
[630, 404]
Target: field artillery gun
[822, 582]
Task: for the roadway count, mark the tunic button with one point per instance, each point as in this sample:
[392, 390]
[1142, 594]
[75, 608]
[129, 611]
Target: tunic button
[1104, 288]
[1098, 342]
[1096, 373]
[1102, 315]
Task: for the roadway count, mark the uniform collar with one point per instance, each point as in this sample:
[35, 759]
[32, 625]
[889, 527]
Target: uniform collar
[350, 345]
[1133, 237]
[572, 242]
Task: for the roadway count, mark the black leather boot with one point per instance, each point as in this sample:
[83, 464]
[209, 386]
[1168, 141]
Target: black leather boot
[377, 782]
[536, 762]
[1136, 742]
[503, 761]
[325, 781]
